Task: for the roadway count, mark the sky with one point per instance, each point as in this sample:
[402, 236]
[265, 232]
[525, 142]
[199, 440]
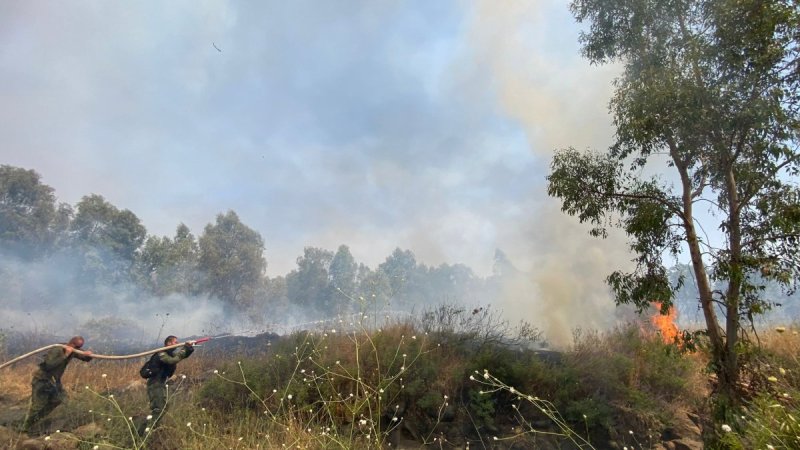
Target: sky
[424, 125]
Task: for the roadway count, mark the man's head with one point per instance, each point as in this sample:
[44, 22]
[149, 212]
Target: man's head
[171, 340]
[76, 342]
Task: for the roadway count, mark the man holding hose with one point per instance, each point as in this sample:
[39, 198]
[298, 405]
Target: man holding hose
[166, 363]
[46, 389]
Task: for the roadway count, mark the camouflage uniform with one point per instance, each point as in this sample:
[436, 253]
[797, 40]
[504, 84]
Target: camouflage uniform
[46, 389]
[157, 384]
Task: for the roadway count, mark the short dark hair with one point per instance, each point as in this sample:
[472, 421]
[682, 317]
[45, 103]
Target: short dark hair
[169, 338]
[74, 341]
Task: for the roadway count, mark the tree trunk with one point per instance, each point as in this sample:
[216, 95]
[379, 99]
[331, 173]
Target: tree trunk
[731, 366]
[703, 285]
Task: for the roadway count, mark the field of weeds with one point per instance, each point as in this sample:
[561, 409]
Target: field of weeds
[404, 387]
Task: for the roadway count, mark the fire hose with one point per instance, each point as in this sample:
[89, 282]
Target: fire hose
[97, 356]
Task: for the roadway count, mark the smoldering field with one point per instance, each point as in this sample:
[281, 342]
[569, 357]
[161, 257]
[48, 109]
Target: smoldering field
[49, 299]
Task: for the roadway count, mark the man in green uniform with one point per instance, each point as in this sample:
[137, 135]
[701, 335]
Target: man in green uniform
[157, 384]
[46, 389]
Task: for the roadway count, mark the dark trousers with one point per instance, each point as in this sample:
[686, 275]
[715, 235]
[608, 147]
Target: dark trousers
[45, 396]
[157, 396]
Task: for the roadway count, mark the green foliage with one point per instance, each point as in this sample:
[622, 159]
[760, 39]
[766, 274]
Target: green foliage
[768, 418]
[167, 266]
[28, 218]
[630, 380]
[106, 239]
[308, 285]
[99, 224]
[482, 407]
[711, 87]
[231, 258]
[343, 272]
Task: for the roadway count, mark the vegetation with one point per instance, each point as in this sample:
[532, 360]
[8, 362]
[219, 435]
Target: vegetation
[353, 387]
[712, 89]
[99, 253]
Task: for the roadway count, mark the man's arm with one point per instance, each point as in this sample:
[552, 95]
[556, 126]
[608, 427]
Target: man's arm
[179, 354]
[86, 356]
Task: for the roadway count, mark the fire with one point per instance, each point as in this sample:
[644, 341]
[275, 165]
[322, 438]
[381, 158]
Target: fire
[665, 324]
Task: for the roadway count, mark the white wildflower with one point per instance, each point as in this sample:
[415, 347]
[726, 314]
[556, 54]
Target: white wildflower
[726, 428]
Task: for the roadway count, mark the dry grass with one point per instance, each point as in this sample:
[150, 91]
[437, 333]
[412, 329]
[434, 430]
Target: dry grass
[782, 341]
[635, 372]
[15, 381]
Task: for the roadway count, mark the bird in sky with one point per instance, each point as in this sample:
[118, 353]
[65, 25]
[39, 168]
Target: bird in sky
[215, 46]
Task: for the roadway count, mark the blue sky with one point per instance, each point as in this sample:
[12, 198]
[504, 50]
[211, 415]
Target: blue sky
[425, 125]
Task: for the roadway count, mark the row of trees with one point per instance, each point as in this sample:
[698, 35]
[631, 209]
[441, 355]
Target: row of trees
[99, 245]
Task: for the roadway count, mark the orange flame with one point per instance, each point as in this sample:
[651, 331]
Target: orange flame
[665, 324]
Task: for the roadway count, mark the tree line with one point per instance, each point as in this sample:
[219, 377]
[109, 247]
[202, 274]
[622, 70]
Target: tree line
[100, 245]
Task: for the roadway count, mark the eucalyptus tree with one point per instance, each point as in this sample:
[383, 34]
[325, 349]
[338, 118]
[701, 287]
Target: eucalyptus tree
[28, 215]
[231, 259]
[342, 277]
[166, 266]
[711, 87]
[106, 238]
[307, 286]
[401, 270]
